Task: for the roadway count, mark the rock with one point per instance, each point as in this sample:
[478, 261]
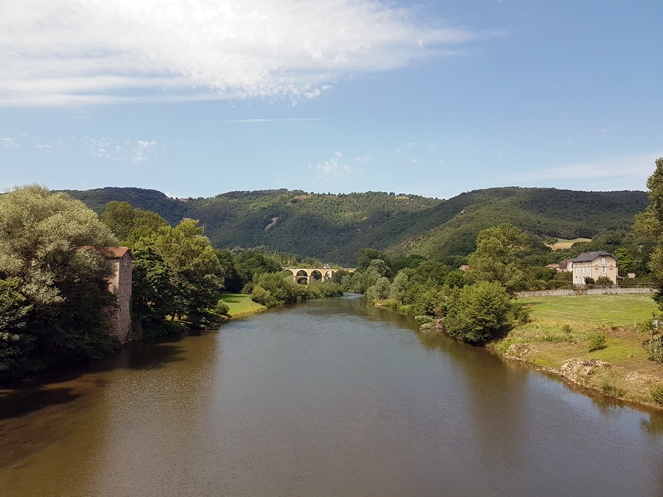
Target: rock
[518, 351]
[578, 370]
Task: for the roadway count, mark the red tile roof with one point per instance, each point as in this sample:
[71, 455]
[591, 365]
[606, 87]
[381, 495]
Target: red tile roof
[110, 252]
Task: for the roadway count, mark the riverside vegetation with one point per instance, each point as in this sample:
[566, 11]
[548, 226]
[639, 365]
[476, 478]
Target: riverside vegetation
[180, 278]
[54, 296]
[608, 343]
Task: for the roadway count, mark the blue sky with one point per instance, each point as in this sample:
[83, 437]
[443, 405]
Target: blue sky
[199, 97]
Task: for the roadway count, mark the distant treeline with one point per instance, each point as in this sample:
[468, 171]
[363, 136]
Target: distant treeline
[332, 227]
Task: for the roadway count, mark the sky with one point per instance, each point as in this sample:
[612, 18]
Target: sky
[200, 97]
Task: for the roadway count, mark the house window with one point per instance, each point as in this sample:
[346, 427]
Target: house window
[603, 260]
[603, 269]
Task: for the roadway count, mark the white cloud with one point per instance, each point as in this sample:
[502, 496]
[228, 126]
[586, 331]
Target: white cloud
[332, 169]
[634, 166]
[363, 159]
[63, 52]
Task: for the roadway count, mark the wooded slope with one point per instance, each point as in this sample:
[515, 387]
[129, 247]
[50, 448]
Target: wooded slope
[333, 227]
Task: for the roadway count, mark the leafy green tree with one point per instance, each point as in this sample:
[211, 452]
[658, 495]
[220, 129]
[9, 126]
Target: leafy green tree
[153, 291]
[650, 224]
[119, 217]
[368, 255]
[196, 273]
[399, 287]
[498, 257]
[64, 287]
[232, 281]
[129, 224]
[625, 260]
[144, 224]
[252, 263]
[15, 346]
[479, 314]
[379, 291]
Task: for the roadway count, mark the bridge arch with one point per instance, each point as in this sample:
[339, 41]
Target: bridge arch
[309, 275]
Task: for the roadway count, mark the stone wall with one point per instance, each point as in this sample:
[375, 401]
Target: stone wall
[120, 286]
[580, 291]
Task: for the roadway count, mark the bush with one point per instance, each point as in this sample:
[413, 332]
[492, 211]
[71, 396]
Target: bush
[479, 314]
[520, 313]
[589, 280]
[604, 282]
[654, 348]
[597, 342]
[657, 394]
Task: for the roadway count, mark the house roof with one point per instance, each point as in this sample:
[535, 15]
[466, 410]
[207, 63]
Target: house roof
[115, 252]
[564, 264]
[590, 256]
[110, 252]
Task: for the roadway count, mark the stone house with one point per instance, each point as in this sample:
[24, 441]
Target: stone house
[120, 286]
[594, 265]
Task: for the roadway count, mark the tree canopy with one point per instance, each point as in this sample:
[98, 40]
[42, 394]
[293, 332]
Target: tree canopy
[53, 283]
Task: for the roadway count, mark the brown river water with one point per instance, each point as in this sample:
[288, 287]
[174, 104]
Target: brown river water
[325, 398]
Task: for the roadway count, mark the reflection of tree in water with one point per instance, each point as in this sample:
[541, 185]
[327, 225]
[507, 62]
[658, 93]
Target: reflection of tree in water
[497, 403]
[653, 425]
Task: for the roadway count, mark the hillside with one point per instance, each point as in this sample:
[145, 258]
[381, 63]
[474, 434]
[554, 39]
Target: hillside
[333, 227]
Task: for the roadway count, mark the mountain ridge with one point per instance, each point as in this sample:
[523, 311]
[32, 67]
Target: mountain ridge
[333, 227]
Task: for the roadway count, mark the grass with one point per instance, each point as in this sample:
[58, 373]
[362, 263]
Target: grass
[564, 244]
[562, 328]
[241, 305]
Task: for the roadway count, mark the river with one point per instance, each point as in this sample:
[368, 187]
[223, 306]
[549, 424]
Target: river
[325, 398]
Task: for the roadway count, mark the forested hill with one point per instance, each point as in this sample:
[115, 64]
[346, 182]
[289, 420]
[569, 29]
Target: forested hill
[333, 227]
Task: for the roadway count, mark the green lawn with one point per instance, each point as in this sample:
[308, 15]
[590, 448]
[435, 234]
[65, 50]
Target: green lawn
[615, 310]
[561, 328]
[240, 304]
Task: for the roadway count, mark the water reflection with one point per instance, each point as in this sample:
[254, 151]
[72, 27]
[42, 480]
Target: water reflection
[323, 398]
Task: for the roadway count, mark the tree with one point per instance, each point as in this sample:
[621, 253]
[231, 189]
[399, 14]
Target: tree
[119, 217]
[129, 224]
[399, 287]
[58, 290]
[195, 272]
[153, 292]
[379, 291]
[498, 256]
[625, 260]
[232, 281]
[650, 224]
[479, 314]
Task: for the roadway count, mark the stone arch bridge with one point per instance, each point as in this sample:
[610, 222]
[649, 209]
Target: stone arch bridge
[309, 275]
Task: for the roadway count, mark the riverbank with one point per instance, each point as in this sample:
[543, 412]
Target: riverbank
[558, 337]
[560, 334]
[241, 305]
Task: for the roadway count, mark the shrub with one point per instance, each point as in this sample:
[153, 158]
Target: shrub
[597, 342]
[566, 329]
[604, 282]
[221, 308]
[654, 348]
[589, 280]
[479, 314]
[657, 394]
[521, 313]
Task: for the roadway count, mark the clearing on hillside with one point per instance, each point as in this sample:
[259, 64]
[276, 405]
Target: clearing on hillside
[563, 244]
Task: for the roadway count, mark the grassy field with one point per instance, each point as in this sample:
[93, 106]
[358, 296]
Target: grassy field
[563, 244]
[241, 305]
[559, 334]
